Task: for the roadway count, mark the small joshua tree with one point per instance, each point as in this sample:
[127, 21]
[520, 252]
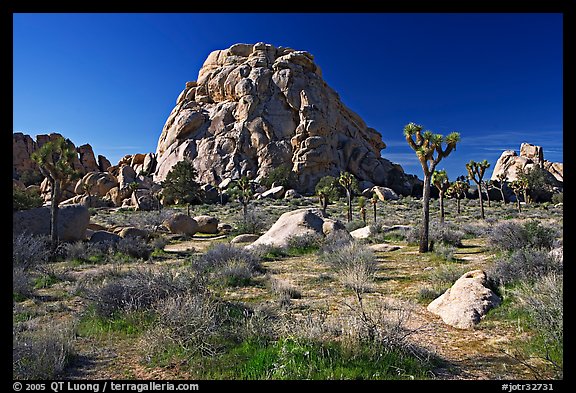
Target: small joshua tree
[326, 190]
[245, 195]
[374, 201]
[347, 181]
[499, 184]
[476, 172]
[519, 187]
[428, 148]
[458, 190]
[362, 207]
[487, 186]
[440, 180]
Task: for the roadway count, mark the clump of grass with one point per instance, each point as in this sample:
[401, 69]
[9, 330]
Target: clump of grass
[510, 236]
[284, 291]
[138, 290]
[43, 353]
[228, 264]
[525, 264]
[304, 244]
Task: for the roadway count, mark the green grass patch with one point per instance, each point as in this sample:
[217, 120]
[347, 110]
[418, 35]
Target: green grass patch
[294, 359]
[45, 281]
[123, 324]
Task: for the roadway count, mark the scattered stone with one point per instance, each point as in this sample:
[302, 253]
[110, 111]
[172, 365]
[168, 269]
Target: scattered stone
[385, 193]
[275, 192]
[181, 223]
[291, 193]
[384, 247]
[245, 238]
[104, 237]
[301, 222]
[207, 224]
[361, 233]
[133, 232]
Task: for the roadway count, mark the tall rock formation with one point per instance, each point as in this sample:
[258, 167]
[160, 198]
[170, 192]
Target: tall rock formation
[256, 107]
[530, 156]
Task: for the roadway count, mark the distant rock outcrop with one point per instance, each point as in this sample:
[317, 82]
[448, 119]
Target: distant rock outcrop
[23, 146]
[530, 156]
[257, 107]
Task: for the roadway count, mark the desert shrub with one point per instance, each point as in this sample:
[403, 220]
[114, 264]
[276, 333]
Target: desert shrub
[158, 243]
[139, 290]
[445, 233]
[86, 252]
[354, 224]
[558, 198]
[438, 233]
[284, 291]
[280, 176]
[446, 274]
[41, 354]
[25, 199]
[428, 293]
[135, 247]
[190, 321]
[355, 264]
[526, 264]
[445, 251]
[29, 250]
[21, 284]
[229, 264]
[336, 240]
[305, 243]
[509, 236]
[149, 220]
[544, 303]
[255, 222]
[472, 230]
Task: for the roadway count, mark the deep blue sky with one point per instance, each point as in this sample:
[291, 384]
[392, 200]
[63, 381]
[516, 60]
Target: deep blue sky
[111, 80]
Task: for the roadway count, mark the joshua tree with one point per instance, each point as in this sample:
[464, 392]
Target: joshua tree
[499, 184]
[347, 181]
[476, 172]
[133, 187]
[487, 186]
[426, 145]
[326, 189]
[374, 201]
[245, 195]
[458, 190]
[55, 160]
[180, 184]
[87, 187]
[522, 176]
[362, 206]
[518, 186]
[440, 180]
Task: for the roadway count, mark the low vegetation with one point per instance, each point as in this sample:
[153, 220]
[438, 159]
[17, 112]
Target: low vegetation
[322, 308]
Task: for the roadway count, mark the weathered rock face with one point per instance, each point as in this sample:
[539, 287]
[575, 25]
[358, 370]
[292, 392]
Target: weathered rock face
[530, 156]
[301, 222]
[72, 222]
[207, 224]
[181, 223]
[466, 302]
[256, 107]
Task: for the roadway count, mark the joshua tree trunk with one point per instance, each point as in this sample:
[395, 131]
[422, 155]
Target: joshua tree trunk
[502, 193]
[425, 215]
[458, 205]
[323, 203]
[488, 196]
[374, 206]
[349, 197]
[481, 202]
[441, 207]
[54, 201]
[518, 203]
